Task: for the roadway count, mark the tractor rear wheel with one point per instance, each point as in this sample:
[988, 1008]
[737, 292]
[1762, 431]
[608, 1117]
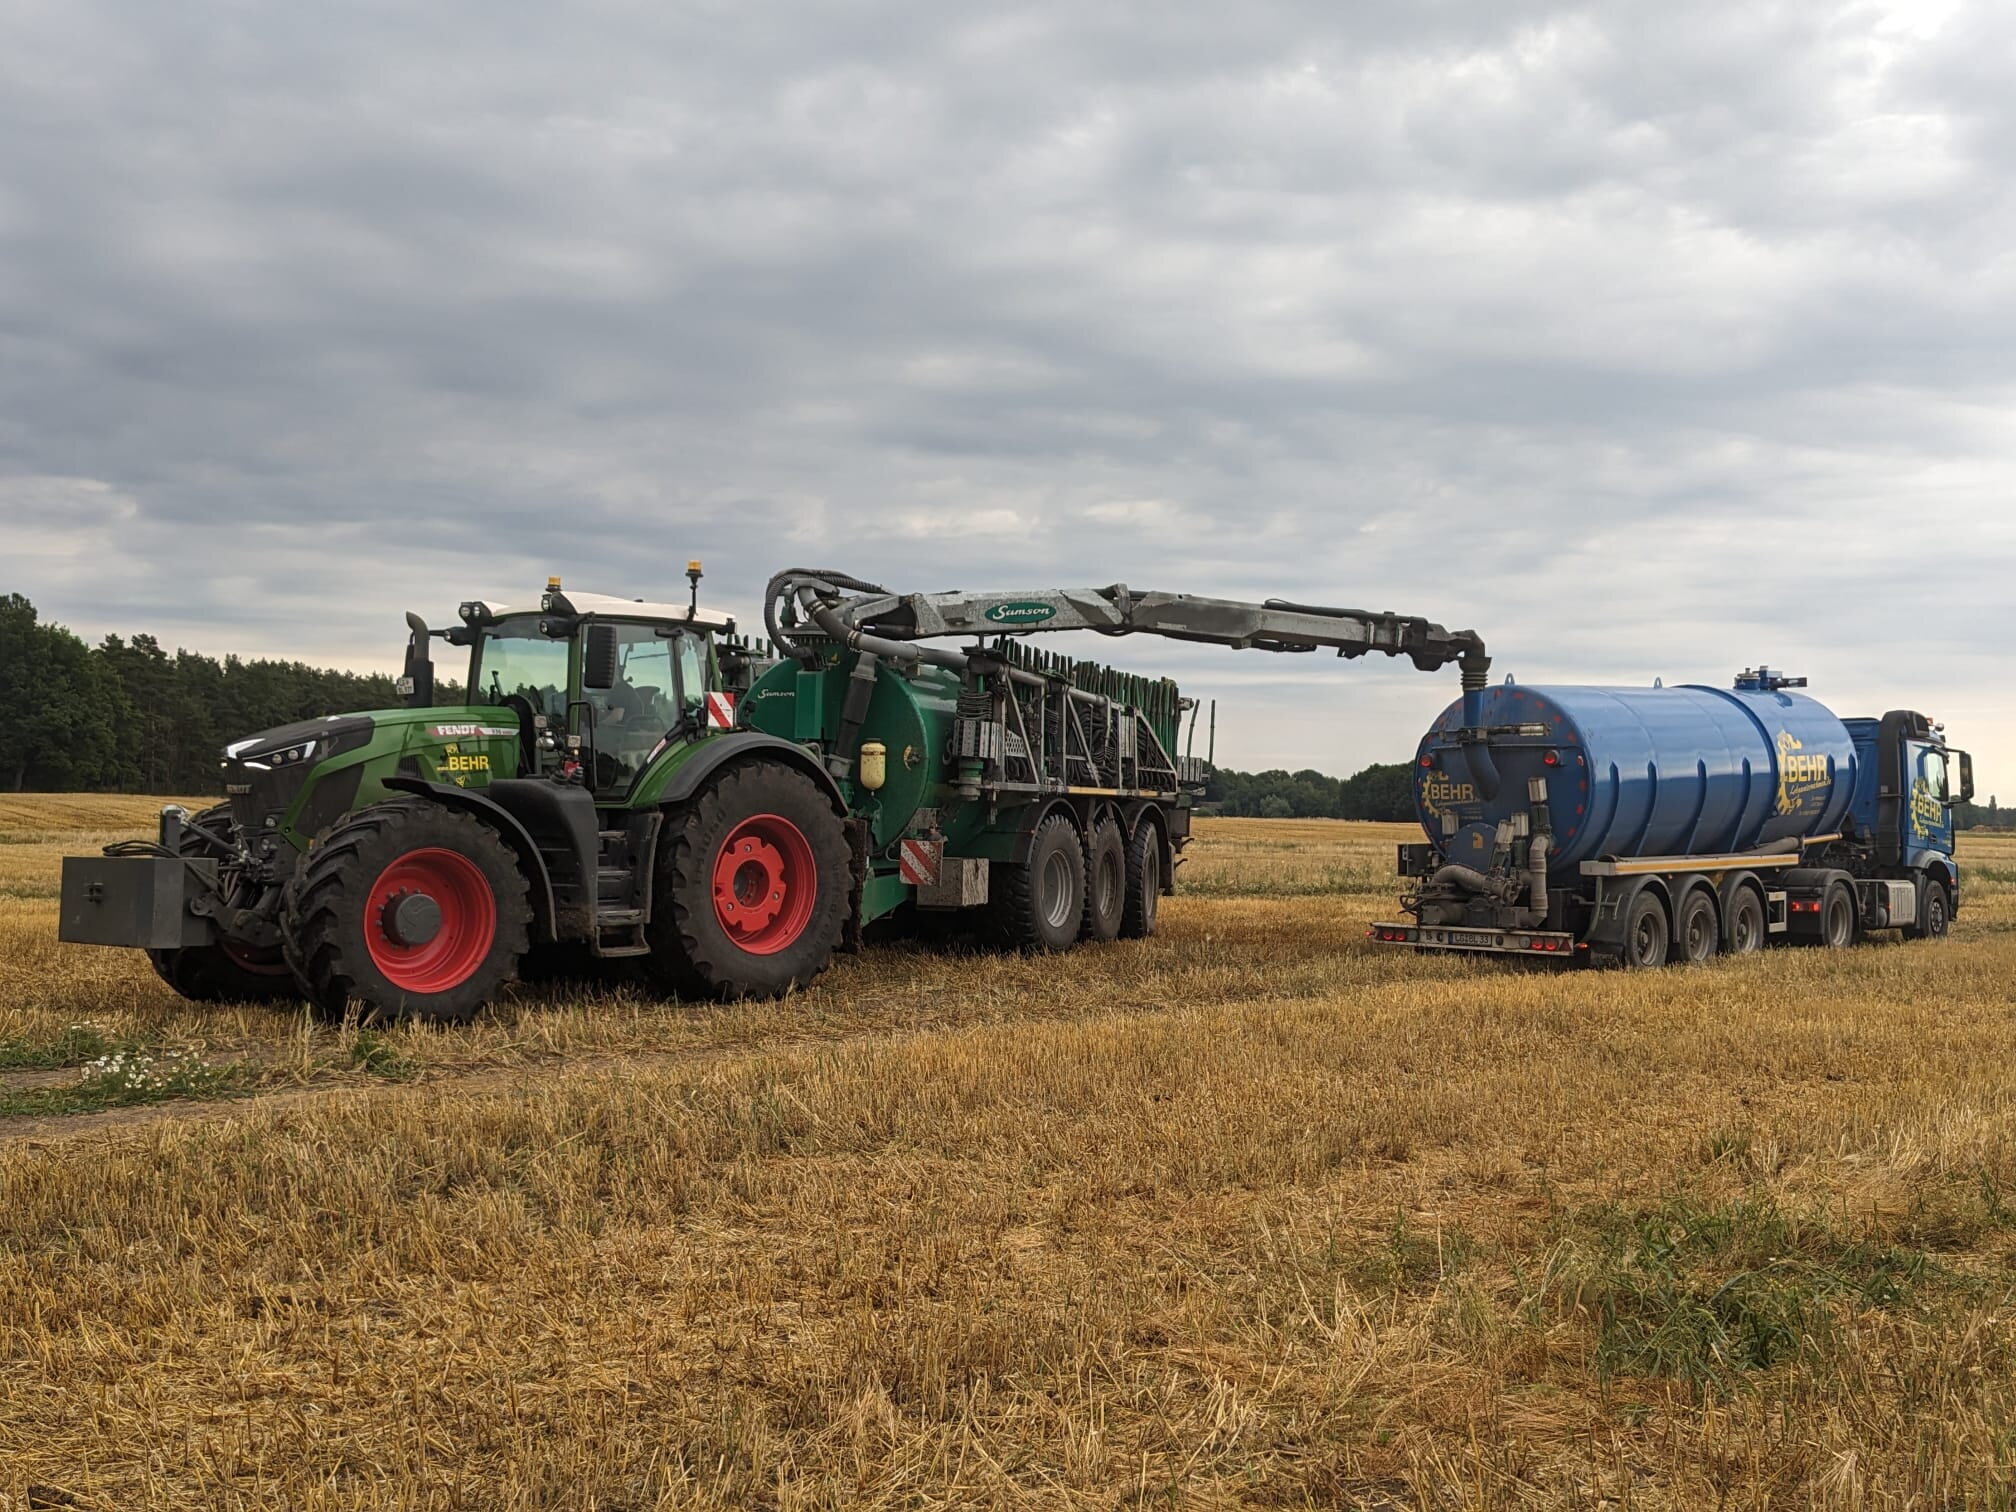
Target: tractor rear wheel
[1039, 903]
[226, 972]
[1144, 882]
[753, 887]
[1105, 882]
[412, 910]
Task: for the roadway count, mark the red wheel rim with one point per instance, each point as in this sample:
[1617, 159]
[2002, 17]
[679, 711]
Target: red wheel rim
[765, 884]
[467, 929]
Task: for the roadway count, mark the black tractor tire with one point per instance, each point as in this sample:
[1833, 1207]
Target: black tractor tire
[1038, 904]
[471, 915]
[1743, 931]
[222, 973]
[754, 885]
[217, 974]
[1935, 912]
[1144, 882]
[1105, 882]
[1839, 921]
[1648, 933]
[1697, 932]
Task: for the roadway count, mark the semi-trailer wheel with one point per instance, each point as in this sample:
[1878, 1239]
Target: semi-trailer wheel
[1039, 903]
[1744, 931]
[754, 878]
[1647, 932]
[1697, 933]
[409, 908]
[1144, 882]
[226, 972]
[1935, 912]
[1837, 916]
[1105, 882]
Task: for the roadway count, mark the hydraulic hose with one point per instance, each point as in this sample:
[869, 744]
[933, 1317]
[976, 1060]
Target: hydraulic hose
[796, 581]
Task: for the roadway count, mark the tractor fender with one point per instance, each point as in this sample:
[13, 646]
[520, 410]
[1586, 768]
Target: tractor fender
[507, 825]
[722, 749]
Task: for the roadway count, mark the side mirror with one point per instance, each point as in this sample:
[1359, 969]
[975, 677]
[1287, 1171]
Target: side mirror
[598, 658]
[418, 682]
[1966, 793]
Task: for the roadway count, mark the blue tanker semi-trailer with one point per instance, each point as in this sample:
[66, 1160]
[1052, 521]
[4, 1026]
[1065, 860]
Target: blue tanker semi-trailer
[1646, 825]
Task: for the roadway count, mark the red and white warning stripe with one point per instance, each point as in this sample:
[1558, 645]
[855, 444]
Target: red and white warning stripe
[720, 711]
[918, 861]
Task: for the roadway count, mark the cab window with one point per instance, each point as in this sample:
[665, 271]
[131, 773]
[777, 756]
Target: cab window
[1933, 769]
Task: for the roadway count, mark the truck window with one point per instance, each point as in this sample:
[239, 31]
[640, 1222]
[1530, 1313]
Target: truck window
[1933, 769]
[692, 653]
[633, 715]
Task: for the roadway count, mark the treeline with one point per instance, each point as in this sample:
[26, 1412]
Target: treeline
[130, 716]
[1378, 792]
[1989, 815]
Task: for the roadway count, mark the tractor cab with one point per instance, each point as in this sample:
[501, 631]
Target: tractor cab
[597, 686]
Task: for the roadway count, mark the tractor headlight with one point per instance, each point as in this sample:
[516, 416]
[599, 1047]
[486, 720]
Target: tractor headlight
[286, 756]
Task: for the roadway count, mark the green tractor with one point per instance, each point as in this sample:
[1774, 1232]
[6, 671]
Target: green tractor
[631, 779]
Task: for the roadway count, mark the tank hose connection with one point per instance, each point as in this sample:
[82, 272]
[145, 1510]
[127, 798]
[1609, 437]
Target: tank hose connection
[853, 713]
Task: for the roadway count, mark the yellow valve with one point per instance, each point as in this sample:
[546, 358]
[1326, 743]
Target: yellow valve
[874, 764]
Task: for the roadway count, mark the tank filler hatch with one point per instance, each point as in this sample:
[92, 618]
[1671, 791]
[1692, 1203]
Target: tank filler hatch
[1762, 679]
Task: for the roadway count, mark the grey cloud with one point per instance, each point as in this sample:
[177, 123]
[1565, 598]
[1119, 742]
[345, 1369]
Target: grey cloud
[1644, 338]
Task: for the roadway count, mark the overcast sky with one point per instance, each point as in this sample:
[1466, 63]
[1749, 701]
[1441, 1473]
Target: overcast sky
[1646, 339]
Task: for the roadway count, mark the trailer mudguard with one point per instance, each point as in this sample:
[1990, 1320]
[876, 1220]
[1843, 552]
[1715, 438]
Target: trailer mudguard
[713, 754]
[485, 805]
[1606, 930]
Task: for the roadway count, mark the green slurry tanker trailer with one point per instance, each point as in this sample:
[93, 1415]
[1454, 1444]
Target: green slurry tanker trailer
[638, 780]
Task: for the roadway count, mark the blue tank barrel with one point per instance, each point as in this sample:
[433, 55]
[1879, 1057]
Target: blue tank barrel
[1638, 771]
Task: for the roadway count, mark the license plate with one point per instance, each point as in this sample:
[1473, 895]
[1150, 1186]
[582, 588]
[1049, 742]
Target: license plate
[1471, 937]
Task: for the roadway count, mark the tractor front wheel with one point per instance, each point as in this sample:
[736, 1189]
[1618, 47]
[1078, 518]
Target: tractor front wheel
[753, 887]
[411, 910]
[224, 973]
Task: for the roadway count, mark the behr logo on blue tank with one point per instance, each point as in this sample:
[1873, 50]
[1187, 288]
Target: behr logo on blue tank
[1800, 775]
[1440, 791]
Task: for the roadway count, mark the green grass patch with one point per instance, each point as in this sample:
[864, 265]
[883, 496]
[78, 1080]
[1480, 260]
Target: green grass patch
[77, 1045]
[374, 1055]
[130, 1079]
[1708, 1295]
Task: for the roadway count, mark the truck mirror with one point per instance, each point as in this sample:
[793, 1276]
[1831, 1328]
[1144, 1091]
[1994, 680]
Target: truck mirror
[598, 658]
[1966, 793]
[418, 682]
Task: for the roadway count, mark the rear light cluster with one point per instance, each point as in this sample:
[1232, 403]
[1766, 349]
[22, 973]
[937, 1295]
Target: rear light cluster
[1390, 936]
[1803, 907]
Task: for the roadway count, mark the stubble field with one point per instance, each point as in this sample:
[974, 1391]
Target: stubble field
[1246, 1214]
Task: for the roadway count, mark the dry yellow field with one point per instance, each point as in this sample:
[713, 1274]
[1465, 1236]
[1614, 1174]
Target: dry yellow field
[1246, 1214]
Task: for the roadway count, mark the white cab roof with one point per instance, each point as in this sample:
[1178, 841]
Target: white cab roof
[605, 606]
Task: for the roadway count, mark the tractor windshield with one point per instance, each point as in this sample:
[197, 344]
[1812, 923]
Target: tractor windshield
[512, 657]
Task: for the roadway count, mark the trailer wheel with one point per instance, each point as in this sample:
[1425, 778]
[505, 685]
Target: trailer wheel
[754, 879]
[1105, 882]
[1647, 933]
[1144, 882]
[1837, 917]
[409, 908]
[1935, 912]
[1697, 933]
[1745, 932]
[1041, 901]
